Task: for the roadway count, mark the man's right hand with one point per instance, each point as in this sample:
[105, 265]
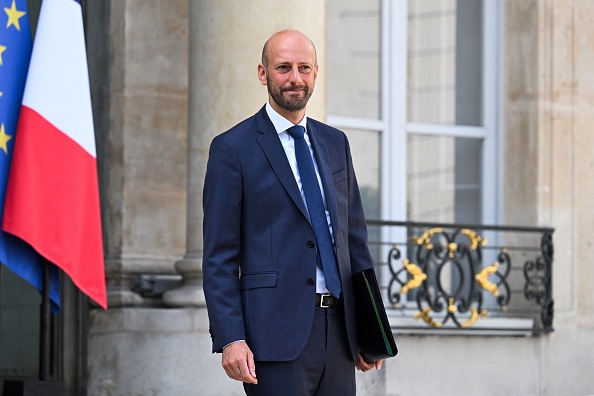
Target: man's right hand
[238, 362]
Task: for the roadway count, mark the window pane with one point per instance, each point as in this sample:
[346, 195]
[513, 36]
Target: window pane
[444, 179]
[445, 62]
[365, 149]
[353, 61]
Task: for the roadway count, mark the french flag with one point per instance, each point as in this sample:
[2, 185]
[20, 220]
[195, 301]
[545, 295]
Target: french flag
[52, 199]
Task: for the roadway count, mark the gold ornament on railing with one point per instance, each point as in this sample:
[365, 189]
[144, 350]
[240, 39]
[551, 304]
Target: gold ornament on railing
[424, 314]
[483, 279]
[425, 239]
[475, 239]
[474, 316]
[418, 276]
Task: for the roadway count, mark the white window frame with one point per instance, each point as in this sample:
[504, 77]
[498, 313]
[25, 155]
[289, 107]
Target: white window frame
[394, 127]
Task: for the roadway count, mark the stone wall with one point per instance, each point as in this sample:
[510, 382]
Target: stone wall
[164, 96]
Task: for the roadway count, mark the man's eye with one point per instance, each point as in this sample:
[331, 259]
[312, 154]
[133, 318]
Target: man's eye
[305, 69]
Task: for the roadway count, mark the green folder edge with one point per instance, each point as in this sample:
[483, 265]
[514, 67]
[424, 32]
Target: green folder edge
[388, 348]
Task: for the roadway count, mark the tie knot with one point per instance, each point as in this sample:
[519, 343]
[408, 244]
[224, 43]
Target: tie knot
[296, 131]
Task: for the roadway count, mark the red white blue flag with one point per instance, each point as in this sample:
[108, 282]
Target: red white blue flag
[52, 197]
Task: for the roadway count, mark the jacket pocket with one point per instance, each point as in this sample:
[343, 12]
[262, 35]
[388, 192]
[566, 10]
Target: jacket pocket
[254, 281]
[339, 176]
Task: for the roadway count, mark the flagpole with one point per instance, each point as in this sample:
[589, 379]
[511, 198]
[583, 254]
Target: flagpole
[44, 326]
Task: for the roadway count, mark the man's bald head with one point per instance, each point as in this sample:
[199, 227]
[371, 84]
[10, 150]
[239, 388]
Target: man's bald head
[281, 36]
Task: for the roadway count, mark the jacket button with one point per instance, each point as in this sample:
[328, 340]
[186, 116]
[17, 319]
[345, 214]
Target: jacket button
[310, 244]
[310, 282]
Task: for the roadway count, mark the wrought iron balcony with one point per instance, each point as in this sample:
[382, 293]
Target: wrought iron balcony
[452, 278]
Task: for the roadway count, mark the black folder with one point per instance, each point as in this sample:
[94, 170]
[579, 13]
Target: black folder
[374, 335]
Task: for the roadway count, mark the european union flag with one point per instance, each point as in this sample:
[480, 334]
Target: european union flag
[15, 53]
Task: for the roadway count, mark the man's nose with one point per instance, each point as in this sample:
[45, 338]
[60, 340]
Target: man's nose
[294, 75]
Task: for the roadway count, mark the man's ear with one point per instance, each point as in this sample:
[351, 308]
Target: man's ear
[262, 74]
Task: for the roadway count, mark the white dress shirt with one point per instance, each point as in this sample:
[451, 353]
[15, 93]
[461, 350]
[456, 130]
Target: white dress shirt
[281, 124]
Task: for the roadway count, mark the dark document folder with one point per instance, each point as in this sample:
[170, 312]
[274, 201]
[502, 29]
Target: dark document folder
[374, 335]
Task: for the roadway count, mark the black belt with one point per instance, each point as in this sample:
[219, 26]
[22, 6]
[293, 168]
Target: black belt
[327, 301]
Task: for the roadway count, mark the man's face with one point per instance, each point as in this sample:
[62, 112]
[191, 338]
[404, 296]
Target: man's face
[291, 72]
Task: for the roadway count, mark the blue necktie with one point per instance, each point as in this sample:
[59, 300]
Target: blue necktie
[317, 212]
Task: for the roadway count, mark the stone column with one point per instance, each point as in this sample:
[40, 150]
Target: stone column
[142, 101]
[190, 294]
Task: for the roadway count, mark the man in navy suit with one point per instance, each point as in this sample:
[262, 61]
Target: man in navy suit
[268, 301]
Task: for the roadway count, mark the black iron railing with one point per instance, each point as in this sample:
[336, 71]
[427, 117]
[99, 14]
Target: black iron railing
[444, 277]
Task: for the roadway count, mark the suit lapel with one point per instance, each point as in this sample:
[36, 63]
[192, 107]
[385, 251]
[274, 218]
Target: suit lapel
[321, 153]
[273, 149]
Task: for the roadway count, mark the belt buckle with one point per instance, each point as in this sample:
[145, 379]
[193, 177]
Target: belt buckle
[326, 300]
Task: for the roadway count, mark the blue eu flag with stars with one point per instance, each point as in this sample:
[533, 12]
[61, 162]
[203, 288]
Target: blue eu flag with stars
[15, 53]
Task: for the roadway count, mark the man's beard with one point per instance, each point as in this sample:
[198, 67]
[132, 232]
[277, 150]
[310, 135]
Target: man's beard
[289, 104]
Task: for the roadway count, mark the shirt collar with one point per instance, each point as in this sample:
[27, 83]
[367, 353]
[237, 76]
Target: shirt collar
[281, 124]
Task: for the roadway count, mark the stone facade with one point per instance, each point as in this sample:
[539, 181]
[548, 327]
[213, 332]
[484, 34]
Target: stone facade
[168, 76]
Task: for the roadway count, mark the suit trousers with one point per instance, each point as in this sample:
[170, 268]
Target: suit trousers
[324, 368]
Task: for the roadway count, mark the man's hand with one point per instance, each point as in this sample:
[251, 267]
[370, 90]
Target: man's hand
[238, 362]
[363, 366]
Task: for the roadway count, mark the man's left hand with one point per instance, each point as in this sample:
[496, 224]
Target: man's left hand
[363, 366]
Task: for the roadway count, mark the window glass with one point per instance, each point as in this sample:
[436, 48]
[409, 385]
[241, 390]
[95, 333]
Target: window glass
[443, 179]
[444, 62]
[365, 149]
[443, 87]
[353, 61]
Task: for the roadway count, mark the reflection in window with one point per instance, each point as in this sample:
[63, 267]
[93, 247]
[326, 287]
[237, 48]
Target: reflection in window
[365, 149]
[444, 62]
[444, 179]
[353, 62]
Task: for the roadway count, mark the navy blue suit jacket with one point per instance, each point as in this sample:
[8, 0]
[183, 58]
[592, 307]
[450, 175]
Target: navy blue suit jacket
[259, 269]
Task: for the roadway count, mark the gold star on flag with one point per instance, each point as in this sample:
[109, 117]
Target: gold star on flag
[2, 49]
[13, 16]
[4, 138]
